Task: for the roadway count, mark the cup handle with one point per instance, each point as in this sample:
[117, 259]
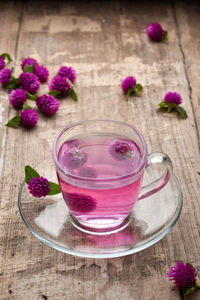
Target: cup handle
[158, 184]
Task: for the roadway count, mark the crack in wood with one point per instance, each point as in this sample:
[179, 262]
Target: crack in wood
[19, 31]
[185, 69]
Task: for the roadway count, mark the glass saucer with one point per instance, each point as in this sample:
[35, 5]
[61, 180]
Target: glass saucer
[49, 220]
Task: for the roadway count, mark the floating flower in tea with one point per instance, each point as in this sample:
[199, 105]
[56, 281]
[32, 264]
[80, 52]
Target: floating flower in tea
[80, 202]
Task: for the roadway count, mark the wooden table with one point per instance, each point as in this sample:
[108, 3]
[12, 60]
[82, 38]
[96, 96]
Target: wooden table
[104, 42]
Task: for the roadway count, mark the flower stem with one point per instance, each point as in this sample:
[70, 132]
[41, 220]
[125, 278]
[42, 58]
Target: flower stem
[198, 284]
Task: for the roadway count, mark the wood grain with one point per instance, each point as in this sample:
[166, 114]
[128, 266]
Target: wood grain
[104, 42]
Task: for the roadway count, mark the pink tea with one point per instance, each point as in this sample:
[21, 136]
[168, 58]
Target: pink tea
[100, 191]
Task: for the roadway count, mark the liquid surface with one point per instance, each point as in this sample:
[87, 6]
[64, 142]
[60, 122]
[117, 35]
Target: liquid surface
[106, 156]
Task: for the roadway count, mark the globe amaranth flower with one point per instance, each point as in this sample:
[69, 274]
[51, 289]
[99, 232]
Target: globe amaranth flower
[173, 97]
[88, 172]
[28, 118]
[5, 76]
[127, 83]
[172, 101]
[30, 62]
[39, 187]
[155, 32]
[42, 73]
[2, 63]
[121, 149]
[74, 158]
[67, 72]
[29, 82]
[72, 143]
[60, 84]
[17, 98]
[80, 202]
[47, 104]
[184, 276]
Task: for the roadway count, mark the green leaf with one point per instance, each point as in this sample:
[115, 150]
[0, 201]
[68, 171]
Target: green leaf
[30, 96]
[30, 173]
[197, 284]
[54, 188]
[138, 87]
[189, 290]
[182, 112]
[29, 69]
[73, 94]
[25, 106]
[6, 57]
[163, 104]
[14, 122]
[54, 93]
[165, 36]
[13, 84]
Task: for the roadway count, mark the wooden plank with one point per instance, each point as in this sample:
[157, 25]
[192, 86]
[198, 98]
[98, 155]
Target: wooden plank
[104, 41]
[9, 14]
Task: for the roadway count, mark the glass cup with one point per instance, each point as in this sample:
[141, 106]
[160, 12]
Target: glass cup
[100, 166]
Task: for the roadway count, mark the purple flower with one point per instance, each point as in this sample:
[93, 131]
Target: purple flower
[42, 73]
[155, 32]
[28, 118]
[173, 97]
[72, 143]
[80, 202]
[2, 63]
[5, 77]
[47, 104]
[60, 84]
[29, 82]
[121, 150]
[184, 275]
[17, 98]
[39, 187]
[30, 62]
[74, 158]
[127, 83]
[67, 72]
[88, 172]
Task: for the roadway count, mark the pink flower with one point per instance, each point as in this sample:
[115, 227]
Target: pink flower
[80, 202]
[67, 72]
[28, 118]
[39, 187]
[5, 77]
[47, 104]
[173, 97]
[30, 62]
[42, 73]
[88, 172]
[184, 276]
[121, 149]
[17, 98]
[29, 82]
[74, 158]
[59, 84]
[155, 32]
[2, 63]
[127, 83]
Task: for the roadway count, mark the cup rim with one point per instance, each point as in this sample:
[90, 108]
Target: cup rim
[70, 125]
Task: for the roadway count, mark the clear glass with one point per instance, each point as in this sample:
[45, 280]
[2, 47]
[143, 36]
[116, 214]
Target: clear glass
[104, 200]
[151, 219]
